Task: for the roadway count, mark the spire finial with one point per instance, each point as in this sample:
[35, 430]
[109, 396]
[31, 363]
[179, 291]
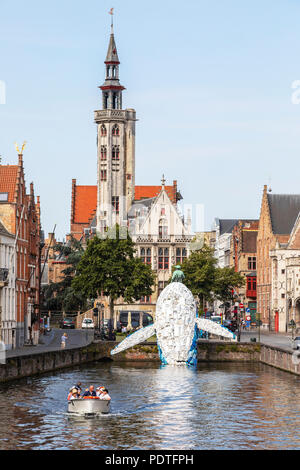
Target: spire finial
[163, 181]
[23, 147]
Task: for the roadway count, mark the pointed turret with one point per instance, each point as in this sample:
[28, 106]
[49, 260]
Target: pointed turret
[112, 89]
[112, 54]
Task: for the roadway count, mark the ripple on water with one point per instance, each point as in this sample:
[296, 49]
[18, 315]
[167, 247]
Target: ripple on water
[222, 406]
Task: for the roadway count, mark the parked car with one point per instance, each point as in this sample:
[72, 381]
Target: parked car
[67, 323]
[230, 325]
[296, 343]
[87, 323]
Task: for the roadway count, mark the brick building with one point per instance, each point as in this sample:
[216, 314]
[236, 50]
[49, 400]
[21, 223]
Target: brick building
[52, 262]
[20, 215]
[277, 218]
[243, 252]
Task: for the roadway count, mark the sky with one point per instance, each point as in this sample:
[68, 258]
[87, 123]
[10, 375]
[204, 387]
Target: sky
[211, 83]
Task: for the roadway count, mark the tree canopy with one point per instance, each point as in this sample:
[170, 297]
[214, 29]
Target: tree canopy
[109, 267]
[206, 280]
[61, 295]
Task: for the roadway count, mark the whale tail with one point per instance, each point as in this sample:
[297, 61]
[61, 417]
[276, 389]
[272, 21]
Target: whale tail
[215, 328]
[135, 338]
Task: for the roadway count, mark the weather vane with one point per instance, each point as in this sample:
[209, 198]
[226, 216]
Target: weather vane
[23, 147]
[111, 12]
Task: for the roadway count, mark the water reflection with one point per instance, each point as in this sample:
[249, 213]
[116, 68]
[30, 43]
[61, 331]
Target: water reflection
[219, 406]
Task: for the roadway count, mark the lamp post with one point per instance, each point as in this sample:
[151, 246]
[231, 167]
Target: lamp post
[292, 325]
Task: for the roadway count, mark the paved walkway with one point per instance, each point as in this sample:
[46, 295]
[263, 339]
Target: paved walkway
[282, 340]
[52, 342]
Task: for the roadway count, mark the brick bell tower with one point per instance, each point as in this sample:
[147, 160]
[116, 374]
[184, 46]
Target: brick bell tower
[115, 147]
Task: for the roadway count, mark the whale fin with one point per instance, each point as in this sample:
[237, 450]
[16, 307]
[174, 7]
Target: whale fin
[214, 328]
[135, 338]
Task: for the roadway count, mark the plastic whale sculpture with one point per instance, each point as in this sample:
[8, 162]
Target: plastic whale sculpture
[176, 327]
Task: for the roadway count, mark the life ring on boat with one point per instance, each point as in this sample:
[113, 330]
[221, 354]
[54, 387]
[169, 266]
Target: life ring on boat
[91, 398]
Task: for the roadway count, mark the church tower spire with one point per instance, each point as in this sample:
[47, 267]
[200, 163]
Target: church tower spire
[115, 147]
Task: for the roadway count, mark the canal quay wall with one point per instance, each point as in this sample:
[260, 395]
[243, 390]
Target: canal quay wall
[208, 351]
[280, 358]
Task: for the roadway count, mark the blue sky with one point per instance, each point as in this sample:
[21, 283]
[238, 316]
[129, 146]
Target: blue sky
[210, 81]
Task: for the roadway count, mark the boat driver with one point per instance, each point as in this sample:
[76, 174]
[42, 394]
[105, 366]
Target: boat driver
[90, 392]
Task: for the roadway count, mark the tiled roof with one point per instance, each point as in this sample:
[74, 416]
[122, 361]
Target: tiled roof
[226, 225]
[284, 209]
[85, 203]
[8, 179]
[85, 199]
[145, 192]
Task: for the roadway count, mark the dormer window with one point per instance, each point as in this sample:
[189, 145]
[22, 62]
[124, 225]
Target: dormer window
[3, 197]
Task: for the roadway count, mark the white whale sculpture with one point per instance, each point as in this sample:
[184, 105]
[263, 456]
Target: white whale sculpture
[176, 327]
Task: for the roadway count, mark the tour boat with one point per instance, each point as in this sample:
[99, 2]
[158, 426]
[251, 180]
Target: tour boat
[89, 406]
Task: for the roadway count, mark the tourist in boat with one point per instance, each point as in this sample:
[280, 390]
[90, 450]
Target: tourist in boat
[90, 392]
[73, 393]
[104, 395]
[99, 391]
[78, 387]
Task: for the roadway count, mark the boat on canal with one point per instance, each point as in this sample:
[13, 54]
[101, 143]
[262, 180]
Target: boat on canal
[89, 406]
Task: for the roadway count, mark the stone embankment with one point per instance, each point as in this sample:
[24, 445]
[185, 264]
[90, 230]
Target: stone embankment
[208, 351]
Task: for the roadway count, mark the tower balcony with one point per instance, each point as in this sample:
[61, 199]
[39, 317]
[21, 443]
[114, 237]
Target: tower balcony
[114, 115]
[110, 114]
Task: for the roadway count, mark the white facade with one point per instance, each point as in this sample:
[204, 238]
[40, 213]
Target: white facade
[8, 321]
[285, 276]
[222, 245]
[161, 237]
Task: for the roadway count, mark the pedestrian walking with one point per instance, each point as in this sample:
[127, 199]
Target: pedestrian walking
[63, 340]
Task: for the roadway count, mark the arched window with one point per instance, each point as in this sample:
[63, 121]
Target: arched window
[163, 228]
[103, 152]
[103, 130]
[115, 130]
[115, 153]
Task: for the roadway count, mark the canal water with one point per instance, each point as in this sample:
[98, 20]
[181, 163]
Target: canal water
[217, 406]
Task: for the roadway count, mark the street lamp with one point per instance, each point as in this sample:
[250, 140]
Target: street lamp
[292, 325]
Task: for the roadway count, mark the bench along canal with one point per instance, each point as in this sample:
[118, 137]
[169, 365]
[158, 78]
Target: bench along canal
[216, 406]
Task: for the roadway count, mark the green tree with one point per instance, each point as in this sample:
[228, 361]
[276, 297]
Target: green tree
[60, 295]
[199, 270]
[206, 280]
[226, 279]
[109, 267]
